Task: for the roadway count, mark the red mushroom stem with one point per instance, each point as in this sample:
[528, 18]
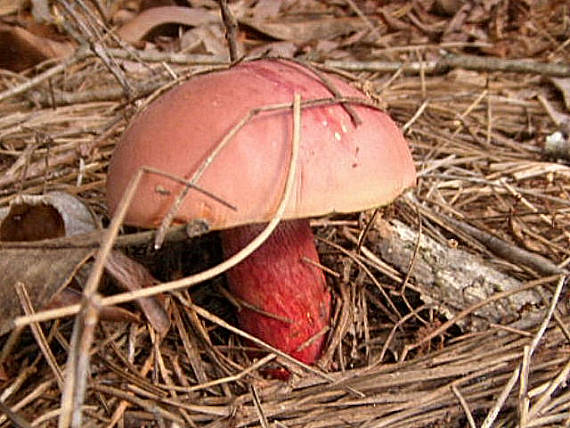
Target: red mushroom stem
[288, 293]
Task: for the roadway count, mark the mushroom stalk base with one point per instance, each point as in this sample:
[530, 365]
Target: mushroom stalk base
[289, 302]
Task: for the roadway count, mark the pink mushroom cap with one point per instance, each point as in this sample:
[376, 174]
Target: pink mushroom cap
[341, 168]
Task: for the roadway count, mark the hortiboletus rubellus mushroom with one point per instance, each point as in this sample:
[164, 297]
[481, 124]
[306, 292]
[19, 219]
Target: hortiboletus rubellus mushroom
[342, 167]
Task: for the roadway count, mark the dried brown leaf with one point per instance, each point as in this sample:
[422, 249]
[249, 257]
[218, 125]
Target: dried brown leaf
[43, 271]
[20, 49]
[136, 29]
[563, 85]
[210, 37]
[31, 223]
[50, 216]
[306, 30]
[37, 217]
[264, 9]
[133, 276]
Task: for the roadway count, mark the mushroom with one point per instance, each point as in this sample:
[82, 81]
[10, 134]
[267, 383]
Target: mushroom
[342, 167]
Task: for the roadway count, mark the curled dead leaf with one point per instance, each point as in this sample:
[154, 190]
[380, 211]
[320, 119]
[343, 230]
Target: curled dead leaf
[56, 214]
[140, 26]
[563, 85]
[46, 270]
[306, 30]
[43, 271]
[132, 276]
[20, 49]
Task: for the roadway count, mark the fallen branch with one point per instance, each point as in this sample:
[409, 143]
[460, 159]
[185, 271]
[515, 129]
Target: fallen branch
[447, 62]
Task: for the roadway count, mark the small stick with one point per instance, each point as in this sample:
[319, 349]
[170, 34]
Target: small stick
[28, 309]
[88, 31]
[562, 376]
[216, 320]
[159, 411]
[354, 117]
[14, 417]
[492, 415]
[228, 379]
[78, 362]
[559, 380]
[523, 387]
[464, 405]
[512, 253]
[79, 55]
[258, 407]
[231, 29]
[467, 62]
[364, 18]
[392, 333]
[442, 328]
[494, 412]
[548, 316]
[84, 327]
